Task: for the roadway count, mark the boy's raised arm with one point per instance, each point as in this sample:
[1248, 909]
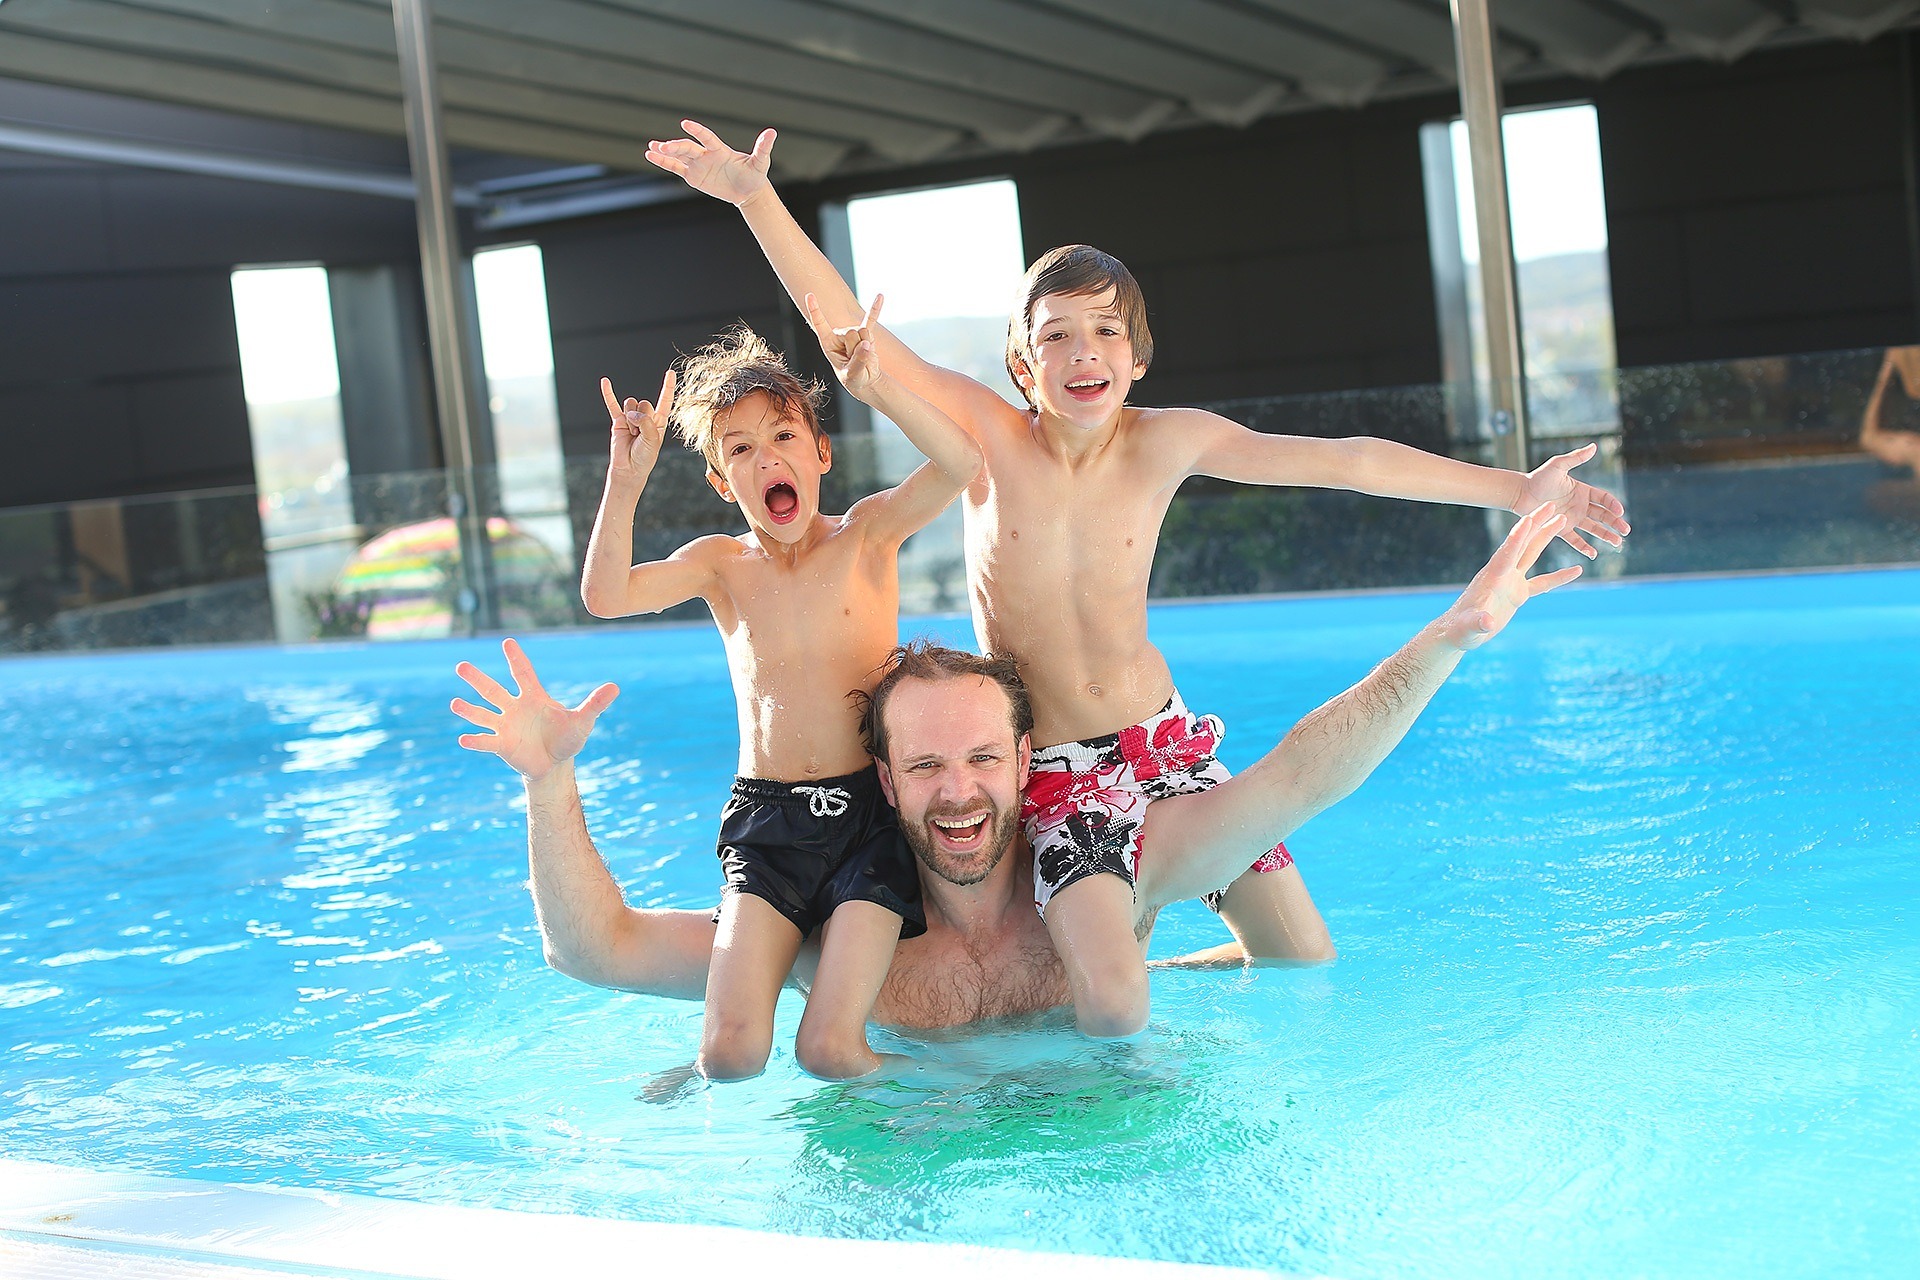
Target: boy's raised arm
[611, 585]
[713, 168]
[953, 456]
[1388, 469]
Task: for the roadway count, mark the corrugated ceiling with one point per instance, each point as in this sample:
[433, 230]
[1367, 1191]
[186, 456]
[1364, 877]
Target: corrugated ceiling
[854, 84]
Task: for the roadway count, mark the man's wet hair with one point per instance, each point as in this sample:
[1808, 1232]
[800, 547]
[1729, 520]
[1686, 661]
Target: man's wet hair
[728, 370]
[925, 660]
[1077, 271]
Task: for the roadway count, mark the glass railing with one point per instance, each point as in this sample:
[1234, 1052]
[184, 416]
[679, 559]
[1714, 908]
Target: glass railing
[1742, 465]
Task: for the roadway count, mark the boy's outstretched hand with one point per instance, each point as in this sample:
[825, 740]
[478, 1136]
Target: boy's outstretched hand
[530, 731]
[1588, 509]
[713, 168]
[850, 351]
[1498, 590]
[638, 429]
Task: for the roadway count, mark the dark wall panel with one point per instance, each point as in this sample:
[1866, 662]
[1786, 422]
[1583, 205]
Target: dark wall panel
[1759, 208]
[1288, 257]
[627, 295]
[119, 362]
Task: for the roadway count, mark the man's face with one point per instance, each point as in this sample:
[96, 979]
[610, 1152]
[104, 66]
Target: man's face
[771, 465]
[1081, 363]
[954, 772]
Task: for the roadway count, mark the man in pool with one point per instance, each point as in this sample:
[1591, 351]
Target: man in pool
[948, 731]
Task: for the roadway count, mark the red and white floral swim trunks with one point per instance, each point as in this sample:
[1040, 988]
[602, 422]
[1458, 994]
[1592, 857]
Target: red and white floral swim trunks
[1085, 805]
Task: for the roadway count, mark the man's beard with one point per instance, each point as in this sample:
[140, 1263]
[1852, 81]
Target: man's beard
[963, 868]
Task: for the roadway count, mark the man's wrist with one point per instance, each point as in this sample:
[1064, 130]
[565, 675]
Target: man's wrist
[556, 785]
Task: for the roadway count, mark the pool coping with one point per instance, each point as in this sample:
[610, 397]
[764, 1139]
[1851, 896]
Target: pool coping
[298, 1230]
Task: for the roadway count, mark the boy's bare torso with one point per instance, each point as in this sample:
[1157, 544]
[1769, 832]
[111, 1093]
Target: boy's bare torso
[1059, 555]
[804, 628]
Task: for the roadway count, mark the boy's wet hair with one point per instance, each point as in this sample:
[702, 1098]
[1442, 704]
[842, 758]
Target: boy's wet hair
[1077, 271]
[925, 660]
[728, 370]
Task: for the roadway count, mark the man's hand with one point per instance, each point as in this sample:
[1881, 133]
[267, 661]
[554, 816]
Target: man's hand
[850, 351]
[530, 731]
[1586, 508]
[1499, 590]
[713, 168]
[639, 429]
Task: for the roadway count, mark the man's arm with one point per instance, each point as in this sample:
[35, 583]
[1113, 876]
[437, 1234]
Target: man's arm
[740, 178]
[611, 584]
[953, 456]
[587, 930]
[1198, 843]
[1387, 469]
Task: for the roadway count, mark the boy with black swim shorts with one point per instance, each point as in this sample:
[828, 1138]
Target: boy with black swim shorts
[808, 605]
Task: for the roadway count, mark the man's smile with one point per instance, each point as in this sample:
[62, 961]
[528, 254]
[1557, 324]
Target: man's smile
[962, 831]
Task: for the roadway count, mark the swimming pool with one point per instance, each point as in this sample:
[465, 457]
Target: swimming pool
[1629, 983]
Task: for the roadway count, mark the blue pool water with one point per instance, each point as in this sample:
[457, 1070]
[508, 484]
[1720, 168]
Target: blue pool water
[1629, 983]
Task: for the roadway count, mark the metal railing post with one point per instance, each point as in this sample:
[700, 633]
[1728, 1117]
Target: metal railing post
[446, 323]
[1480, 103]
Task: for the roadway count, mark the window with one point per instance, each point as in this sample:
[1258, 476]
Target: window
[291, 374]
[517, 350]
[1557, 205]
[949, 260]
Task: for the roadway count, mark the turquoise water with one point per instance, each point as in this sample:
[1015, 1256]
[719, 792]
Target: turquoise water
[1629, 977]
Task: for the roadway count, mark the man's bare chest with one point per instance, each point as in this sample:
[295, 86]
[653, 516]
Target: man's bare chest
[946, 986]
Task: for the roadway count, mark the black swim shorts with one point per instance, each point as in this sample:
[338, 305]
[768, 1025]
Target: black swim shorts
[807, 847]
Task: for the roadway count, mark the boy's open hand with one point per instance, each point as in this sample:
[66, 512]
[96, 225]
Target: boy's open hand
[712, 167]
[851, 352]
[1587, 509]
[530, 731]
[638, 429]
[1497, 591]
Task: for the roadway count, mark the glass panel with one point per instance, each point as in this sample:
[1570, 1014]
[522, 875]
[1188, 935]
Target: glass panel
[1728, 466]
[517, 348]
[1557, 204]
[949, 260]
[291, 374]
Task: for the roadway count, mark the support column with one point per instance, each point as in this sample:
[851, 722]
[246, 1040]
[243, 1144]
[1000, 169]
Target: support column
[447, 324]
[1480, 103]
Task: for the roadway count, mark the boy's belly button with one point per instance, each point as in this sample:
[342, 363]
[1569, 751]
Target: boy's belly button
[1095, 690]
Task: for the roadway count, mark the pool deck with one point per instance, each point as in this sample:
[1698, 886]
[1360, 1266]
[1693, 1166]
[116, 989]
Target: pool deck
[57, 1221]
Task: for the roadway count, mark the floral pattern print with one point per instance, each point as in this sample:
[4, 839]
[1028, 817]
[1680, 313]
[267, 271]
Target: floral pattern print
[1086, 802]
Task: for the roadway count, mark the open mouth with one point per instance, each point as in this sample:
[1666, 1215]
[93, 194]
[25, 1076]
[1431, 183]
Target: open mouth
[1087, 390]
[783, 502]
[962, 831]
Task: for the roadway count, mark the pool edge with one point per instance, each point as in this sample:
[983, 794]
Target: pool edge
[343, 1232]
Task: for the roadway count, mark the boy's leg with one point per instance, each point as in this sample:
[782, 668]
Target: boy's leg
[856, 949]
[1091, 923]
[753, 952]
[1189, 838]
[1272, 915]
